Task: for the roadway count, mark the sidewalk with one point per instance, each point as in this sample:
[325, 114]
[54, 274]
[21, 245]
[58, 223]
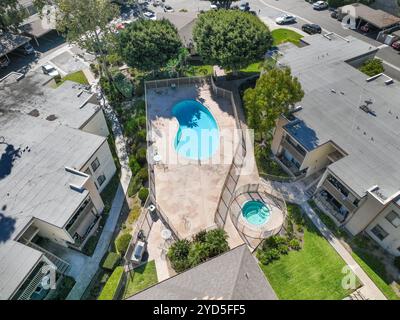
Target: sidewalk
[92, 263]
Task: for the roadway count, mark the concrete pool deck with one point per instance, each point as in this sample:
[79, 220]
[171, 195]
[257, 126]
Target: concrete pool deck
[188, 190]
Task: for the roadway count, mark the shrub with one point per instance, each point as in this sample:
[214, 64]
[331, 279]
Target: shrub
[200, 236]
[111, 261]
[372, 67]
[397, 262]
[110, 289]
[198, 253]
[141, 156]
[122, 243]
[63, 288]
[141, 136]
[143, 174]
[178, 255]
[217, 242]
[143, 194]
[133, 214]
[294, 244]
[134, 186]
[283, 249]
[268, 256]
[274, 242]
[134, 165]
[90, 245]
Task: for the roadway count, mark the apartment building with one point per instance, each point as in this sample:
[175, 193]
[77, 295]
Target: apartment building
[55, 161]
[345, 133]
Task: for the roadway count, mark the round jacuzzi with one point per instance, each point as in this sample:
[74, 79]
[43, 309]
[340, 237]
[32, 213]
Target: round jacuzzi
[255, 212]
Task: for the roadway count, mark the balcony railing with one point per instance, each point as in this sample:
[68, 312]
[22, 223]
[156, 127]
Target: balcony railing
[328, 208]
[293, 150]
[338, 195]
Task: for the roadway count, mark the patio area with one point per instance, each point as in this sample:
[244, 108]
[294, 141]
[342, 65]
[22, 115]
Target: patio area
[188, 190]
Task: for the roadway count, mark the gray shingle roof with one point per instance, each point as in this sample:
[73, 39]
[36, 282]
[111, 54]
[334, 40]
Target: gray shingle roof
[234, 275]
[334, 92]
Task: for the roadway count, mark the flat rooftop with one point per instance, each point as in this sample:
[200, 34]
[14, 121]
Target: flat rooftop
[34, 155]
[69, 104]
[334, 92]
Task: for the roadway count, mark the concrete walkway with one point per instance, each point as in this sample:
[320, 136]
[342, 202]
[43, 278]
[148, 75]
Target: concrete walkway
[84, 278]
[293, 192]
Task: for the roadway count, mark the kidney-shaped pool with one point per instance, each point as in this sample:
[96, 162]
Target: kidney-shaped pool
[198, 134]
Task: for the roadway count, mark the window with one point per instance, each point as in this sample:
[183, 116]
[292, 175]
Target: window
[95, 164]
[379, 232]
[101, 179]
[393, 218]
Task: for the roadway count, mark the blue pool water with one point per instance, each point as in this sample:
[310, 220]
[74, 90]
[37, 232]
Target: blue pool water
[255, 212]
[198, 134]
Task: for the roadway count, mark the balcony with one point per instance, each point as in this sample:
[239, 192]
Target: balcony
[327, 203]
[295, 150]
[339, 195]
[335, 156]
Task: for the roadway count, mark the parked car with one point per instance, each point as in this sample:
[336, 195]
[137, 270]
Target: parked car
[244, 6]
[4, 62]
[213, 6]
[26, 49]
[396, 45]
[311, 28]
[287, 18]
[50, 70]
[168, 8]
[138, 251]
[320, 5]
[149, 15]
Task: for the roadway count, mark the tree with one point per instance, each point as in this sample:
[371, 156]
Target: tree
[231, 39]
[11, 15]
[85, 23]
[372, 67]
[148, 45]
[276, 91]
[216, 242]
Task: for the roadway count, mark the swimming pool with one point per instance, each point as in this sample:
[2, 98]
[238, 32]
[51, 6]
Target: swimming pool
[255, 212]
[198, 134]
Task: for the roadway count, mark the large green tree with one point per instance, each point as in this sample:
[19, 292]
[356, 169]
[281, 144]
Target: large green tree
[85, 23]
[11, 15]
[149, 45]
[231, 39]
[276, 91]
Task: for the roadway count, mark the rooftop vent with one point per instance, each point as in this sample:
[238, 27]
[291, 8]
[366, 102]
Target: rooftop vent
[366, 109]
[34, 113]
[51, 117]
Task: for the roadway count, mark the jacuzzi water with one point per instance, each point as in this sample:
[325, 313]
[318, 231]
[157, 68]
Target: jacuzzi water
[198, 134]
[255, 212]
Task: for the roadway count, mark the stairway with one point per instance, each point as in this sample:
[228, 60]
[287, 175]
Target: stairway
[61, 265]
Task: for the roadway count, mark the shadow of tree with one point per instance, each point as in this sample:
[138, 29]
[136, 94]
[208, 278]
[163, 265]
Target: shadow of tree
[7, 226]
[6, 161]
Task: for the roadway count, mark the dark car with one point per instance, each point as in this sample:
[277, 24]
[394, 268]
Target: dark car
[311, 28]
[396, 45]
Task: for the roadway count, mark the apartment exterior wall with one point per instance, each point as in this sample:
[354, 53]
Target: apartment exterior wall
[278, 134]
[317, 159]
[51, 232]
[97, 125]
[391, 242]
[366, 212]
[106, 166]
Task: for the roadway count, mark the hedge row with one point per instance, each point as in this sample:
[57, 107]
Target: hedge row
[111, 287]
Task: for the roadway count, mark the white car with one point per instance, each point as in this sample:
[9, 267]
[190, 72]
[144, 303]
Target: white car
[320, 5]
[168, 8]
[287, 18]
[50, 70]
[149, 15]
[213, 6]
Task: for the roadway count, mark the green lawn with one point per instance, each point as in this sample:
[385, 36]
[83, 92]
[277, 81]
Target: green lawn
[141, 278]
[78, 77]
[282, 35]
[313, 273]
[201, 70]
[254, 67]
[371, 265]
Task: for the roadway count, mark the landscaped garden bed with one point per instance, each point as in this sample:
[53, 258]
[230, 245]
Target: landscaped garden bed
[283, 35]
